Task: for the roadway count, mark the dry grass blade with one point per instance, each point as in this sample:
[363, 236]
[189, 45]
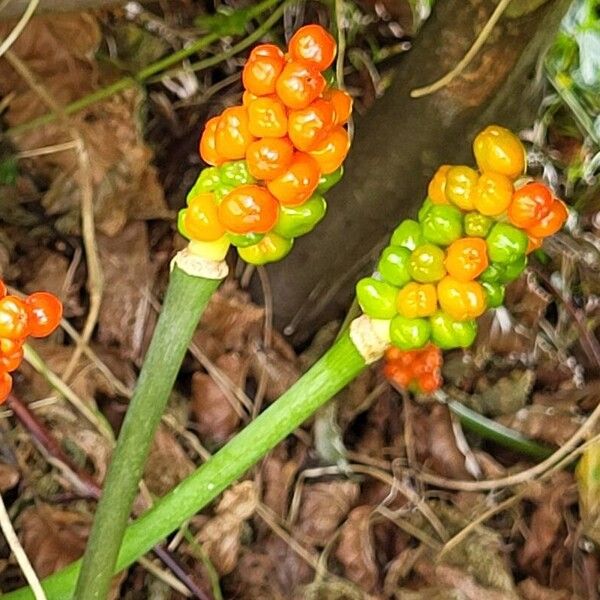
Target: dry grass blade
[17, 550]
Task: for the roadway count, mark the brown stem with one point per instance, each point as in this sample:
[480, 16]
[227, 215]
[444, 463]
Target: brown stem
[87, 484]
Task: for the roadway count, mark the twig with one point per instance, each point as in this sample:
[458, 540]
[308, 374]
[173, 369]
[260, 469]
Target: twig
[468, 57]
[93, 416]
[11, 38]
[17, 550]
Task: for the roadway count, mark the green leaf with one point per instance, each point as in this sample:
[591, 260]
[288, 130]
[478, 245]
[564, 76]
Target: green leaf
[225, 22]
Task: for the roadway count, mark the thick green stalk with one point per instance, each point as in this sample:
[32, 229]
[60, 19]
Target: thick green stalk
[340, 365]
[184, 303]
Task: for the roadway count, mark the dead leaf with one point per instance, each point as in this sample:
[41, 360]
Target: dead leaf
[355, 549]
[229, 321]
[504, 396]
[167, 463]
[216, 418]
[435, 442]
[530, 589]
[254, 578]
[289, 569]
[279, 470]
[58, 50]
[125, 316]
[52, 538]
[9, 476]
[221, 536]
[542, 423]
[552, 499]
[323, 507]
[330, 590]
[280, 371]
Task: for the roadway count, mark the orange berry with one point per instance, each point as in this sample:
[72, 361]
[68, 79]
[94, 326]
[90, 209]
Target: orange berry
[3, 290]
[298, 183]
[332, 151]
[436, 190]
[232, 136]
[14, 318]
[262, 69]
[309, 126]
[248, 97]
[466, 258]
[267, 117]
[342, 104]
[299, 84]
[45, 312]
[248, 209]
[208, 150]
[201, 219]
[5, 386]
[268, 158]
[313, 44]
[552, 222]
[430, 382]
[530, 204]
[533, 243]
[493, 194]
[11, 362]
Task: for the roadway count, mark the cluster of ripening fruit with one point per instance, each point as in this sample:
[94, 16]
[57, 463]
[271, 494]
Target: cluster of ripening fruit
[273, 156]
[472, 237]
[37, 315]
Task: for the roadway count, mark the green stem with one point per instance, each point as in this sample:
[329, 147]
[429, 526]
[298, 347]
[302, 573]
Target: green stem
[184, 303]
[338, 366]
[495, 432]
[138, 78]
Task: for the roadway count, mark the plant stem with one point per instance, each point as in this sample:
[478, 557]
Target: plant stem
[138, 78]
[184, 303]
[338, 366]
[495, 432]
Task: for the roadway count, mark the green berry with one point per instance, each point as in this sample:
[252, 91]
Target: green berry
[235, 173]
[295, 221]
[409, 334]
[181, 223]
[408, 235]
[207, 181]
[494, 293]
[506, 243]
[270, 249]
[442, 224]
[393, 265]
[377, 299]
[426, 264]
[477, 225]
[246, 239]
[448, 333]
[327, 181]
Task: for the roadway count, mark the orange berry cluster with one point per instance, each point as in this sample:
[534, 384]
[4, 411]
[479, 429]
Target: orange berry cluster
[472, 237]
[288, 138]
[420, 369]
[38, 315]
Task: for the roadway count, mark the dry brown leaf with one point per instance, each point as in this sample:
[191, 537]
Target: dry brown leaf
[167, 463]
[128, 276]
[216, 418]
[542, 423]
[9, 476]
[280, 372]
[544, 538]
[289, 569]
[330, 590]
[530, 589]
[279, 470]
[435, 442]
[254, 578]
[229, 321]
[323, 507]
[58, 50]
[51, 537]
[355, 549]
[221, 535]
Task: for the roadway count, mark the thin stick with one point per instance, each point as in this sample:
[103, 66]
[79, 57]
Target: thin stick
[17, 550]
[468, 57]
